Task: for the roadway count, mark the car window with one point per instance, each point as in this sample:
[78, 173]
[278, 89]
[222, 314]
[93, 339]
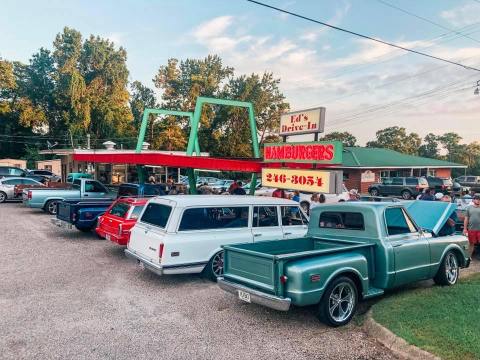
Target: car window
[3, 171]
[460, 179]
[157, 214]
[341, 220]
[29, 182]
[127, 191]
[397, 181]
[291, 215]
[264, 216]
[214, 218]
[93, 186]
[397, 222]
[152, 190]
[15, 172]
[119, 209]
[387, 181]
[411, 181]
[423, 181]
[12, 182]
[136, 211]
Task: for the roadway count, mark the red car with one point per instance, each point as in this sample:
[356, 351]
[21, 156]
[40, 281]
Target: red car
[118, 220]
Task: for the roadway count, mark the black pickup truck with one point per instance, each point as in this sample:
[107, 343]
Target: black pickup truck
[83, 213]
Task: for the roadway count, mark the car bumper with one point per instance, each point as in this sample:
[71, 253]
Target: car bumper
[146, 263]
[120, 240]
[257, 297]
[61, 223]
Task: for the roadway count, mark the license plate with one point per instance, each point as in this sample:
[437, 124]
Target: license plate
[108, 237]
[141, 265]
[244, 296]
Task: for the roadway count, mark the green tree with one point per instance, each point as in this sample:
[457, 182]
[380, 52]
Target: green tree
[345, 137]
[451, 143]
[231, 127]
[430, 146]
[91, 90]
[396, 138]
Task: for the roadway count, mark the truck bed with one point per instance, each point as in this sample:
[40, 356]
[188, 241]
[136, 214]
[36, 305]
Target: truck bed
[261, 264]
[67, 208]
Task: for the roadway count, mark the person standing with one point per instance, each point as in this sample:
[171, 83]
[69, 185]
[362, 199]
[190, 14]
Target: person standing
[471, 224]
[449, 226]
[239, 190]
[279, 193]
[296, 196]
[428, 195]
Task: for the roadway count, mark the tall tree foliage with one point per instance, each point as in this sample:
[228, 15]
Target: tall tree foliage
[224, 131]
[396, 138]
[344, 136]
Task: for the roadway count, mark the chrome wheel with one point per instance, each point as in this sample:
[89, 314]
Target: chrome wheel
[217, 264]
[52, 207]
[374, 192]
[341, 302]
[3, 197]
[451, 268]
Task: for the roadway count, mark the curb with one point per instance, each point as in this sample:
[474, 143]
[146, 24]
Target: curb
[397, 345]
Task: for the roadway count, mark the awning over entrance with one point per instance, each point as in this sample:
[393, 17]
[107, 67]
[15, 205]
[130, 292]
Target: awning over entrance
[179, 161]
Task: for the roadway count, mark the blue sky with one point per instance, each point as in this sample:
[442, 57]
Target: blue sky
[364, 86]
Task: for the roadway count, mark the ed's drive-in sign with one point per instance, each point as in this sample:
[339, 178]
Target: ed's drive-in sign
[303, 122]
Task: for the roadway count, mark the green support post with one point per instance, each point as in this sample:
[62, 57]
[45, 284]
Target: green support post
[253, 127]
[143, 130]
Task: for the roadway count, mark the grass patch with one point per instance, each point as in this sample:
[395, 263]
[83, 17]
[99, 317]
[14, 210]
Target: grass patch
[444, 321]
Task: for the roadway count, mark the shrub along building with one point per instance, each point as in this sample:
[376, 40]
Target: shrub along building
[365, 166]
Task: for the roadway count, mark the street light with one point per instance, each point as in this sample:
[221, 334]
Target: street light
[477, 91]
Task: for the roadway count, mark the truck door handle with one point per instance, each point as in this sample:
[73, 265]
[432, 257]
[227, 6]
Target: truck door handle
[256, 235]
[85, 194]
[288, 233]
[397, 245]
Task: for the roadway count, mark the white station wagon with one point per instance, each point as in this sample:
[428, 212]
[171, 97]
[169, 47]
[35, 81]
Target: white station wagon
[184, 233]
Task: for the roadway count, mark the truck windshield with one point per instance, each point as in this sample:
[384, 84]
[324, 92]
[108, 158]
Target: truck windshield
[156, 214]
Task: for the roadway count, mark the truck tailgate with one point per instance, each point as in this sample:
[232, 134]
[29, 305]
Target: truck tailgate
[63, 211]
[252, 269]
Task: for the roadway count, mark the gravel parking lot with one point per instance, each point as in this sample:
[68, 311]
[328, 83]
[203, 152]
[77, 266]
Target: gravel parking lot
[66, 294]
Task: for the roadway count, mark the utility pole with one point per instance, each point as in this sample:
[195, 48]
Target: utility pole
[88, 141]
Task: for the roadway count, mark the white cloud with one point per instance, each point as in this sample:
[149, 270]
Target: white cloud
[462, 15]
[213, 28]
[116, 37]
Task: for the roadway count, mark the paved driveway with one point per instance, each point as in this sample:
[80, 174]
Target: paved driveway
[67, 295]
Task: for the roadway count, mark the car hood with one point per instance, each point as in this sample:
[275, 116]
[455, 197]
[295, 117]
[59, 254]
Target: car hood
[430, 215]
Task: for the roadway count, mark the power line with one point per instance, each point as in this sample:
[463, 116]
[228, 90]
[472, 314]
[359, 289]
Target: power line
[362, 36]
[426, 20]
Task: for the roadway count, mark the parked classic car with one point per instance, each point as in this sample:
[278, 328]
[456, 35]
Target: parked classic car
[11, 171]
[440, 184]
[406, 187]
[81, 213]
[47, 199]
[8, 184]
[74, 176]
[48, 175]
[117, 222]
[352, 251]
[184, 234]
[473, 182]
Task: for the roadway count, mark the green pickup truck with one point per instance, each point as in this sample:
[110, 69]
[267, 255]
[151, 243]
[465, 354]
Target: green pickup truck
[352, 251]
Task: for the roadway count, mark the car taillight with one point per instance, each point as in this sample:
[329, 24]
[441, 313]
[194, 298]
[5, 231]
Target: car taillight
[120, 229]
[74, 217]
[283, 279]
[29, 195]
[160, 251]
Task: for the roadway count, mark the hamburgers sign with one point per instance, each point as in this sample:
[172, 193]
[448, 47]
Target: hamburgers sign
[303, 122]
